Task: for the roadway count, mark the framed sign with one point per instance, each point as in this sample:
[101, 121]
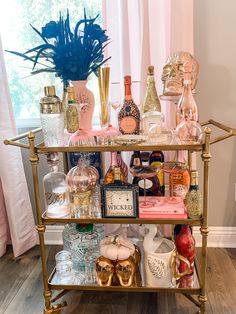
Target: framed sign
[119, 201]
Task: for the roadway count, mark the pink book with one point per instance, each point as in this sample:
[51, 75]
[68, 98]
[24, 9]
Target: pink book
[163, 207]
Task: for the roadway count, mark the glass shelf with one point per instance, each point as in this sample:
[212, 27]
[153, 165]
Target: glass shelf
[54, 285]
[111, 148]
[192, 222]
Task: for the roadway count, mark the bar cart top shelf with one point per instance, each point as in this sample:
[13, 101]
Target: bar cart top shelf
[115, 147]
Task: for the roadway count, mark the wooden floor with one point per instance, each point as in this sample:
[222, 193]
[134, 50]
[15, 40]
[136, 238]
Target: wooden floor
[21, 289]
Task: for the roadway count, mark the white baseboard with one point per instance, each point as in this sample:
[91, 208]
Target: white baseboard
[224, 237]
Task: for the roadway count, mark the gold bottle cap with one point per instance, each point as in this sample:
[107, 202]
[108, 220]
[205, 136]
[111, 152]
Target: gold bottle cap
[71, 93]
[50, 103]
[151, 70]
[49, 91]
[194, 177]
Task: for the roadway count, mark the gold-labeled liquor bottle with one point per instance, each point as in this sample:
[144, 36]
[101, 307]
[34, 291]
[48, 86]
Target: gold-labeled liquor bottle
[129, 115]
[151, 100]
[110, 174]
[193, 200]
[72, 114]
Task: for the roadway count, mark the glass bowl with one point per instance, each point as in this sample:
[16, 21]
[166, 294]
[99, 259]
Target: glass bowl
[188, 132]
[160, 133]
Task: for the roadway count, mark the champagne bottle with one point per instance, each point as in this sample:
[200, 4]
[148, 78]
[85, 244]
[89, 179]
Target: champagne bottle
[193, 200]
[187, 108]
[129, 115]
[72, 114]
[151, 100]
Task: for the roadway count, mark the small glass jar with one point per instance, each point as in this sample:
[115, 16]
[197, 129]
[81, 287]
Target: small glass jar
[96, 203]
[64, 267]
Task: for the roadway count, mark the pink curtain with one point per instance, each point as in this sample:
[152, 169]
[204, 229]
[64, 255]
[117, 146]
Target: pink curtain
[16, 217]
[145, 32]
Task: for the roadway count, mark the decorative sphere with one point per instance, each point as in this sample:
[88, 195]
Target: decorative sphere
[188, 132]
[82, 178]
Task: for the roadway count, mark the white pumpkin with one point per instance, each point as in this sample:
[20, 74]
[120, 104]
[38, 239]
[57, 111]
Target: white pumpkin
[115, 247]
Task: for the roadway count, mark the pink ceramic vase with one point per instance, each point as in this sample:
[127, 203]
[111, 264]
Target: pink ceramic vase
[85, 99]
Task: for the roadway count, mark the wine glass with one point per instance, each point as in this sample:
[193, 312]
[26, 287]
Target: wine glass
[145, 172]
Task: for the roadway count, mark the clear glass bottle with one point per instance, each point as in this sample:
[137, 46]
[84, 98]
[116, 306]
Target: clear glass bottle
[72, 111]
[109, 177]
[193, 200]
[129, 115]
[96, 202]
[151, 99]
[52, 118]
[55, 188]
[187, 108]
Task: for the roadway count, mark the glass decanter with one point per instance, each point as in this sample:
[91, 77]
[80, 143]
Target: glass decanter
[82, 180]
[55, 188]
[77, 239]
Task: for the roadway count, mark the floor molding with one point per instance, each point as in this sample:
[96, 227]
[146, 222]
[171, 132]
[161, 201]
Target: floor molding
[223, 237]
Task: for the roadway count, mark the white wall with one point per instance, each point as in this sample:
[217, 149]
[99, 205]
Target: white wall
[215, 49]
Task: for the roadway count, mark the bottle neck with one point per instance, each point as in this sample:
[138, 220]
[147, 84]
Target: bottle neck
[114, 159]
[128, 94]
[53, 167]
[193, 179]
[150, 81]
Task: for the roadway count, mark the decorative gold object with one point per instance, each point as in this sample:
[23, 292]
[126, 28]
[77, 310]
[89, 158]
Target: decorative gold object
[104, 271]
[103, 83]
[124, 272]
[172, 75]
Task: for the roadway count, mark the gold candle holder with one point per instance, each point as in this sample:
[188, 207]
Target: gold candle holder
[103, 81]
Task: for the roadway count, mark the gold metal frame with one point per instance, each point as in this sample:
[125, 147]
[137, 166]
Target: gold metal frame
[42, 220]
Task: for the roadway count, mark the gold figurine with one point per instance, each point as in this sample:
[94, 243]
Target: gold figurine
[104, 271]
[119, 272]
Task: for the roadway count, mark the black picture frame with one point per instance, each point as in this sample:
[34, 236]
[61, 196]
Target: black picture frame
[119, 201]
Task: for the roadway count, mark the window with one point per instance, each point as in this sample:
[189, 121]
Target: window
[15, 19]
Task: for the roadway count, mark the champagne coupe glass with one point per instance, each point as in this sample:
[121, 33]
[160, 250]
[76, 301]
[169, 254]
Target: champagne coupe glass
[145, 172]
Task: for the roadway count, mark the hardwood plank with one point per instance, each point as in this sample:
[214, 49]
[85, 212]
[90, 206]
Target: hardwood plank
[14, 272]
[221, 282]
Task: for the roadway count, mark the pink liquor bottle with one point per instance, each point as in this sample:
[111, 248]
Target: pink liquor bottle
[187, 108]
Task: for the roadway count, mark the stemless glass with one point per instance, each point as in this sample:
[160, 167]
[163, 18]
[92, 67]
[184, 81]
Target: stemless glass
[64, 267]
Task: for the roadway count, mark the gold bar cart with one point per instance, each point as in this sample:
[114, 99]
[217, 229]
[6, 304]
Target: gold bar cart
[196, 294]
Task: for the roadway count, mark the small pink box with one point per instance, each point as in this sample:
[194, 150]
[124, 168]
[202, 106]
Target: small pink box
[163, 207]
